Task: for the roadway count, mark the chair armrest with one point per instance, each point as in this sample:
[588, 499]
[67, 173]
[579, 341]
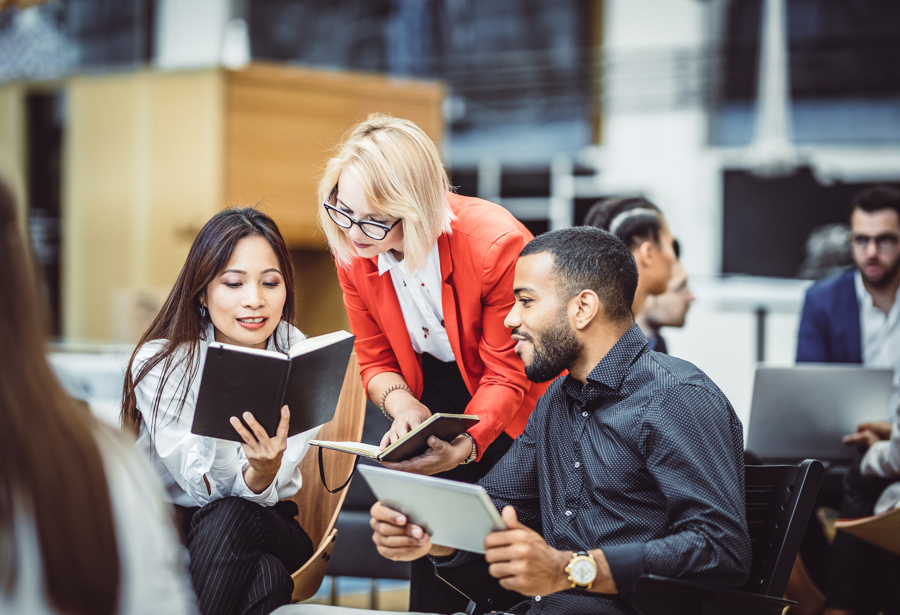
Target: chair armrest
[309, 577]
[655, 595]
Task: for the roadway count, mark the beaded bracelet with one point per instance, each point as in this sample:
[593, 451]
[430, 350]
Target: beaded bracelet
[388, 391]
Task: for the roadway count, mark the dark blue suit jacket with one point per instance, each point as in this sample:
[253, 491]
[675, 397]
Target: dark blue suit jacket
[829, 326]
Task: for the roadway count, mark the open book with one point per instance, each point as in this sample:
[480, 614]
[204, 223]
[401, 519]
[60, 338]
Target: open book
[237, 379]
[882, 530]
[414, 443]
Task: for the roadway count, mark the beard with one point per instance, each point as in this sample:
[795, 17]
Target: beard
[885, 279]
[556, 349]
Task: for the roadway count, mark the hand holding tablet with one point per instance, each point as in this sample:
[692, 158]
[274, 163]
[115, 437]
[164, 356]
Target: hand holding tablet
[454, 514]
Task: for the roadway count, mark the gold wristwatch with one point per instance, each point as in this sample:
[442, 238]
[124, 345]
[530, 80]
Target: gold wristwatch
[582, 570]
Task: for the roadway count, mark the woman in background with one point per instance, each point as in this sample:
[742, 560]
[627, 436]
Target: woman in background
[236, 287]
[643, 228]
[83, 528]
[427, 277]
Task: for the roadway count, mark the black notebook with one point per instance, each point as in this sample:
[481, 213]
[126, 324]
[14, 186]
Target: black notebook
[237, 379]
[414, 443]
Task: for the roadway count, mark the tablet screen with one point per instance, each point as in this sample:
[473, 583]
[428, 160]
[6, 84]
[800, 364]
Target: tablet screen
[455, 514]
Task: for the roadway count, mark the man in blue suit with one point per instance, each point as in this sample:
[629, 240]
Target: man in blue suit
[854, 317]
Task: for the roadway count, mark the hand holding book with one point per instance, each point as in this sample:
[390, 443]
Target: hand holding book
[263, 453]
[444, 427]
[405, 420]
[237, 380]
[441, 456]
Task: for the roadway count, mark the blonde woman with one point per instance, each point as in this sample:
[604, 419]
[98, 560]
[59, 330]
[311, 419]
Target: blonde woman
[427, 277]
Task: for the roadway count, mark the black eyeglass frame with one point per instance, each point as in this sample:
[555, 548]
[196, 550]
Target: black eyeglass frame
[361, 223]
[884, 242]
[331, 208]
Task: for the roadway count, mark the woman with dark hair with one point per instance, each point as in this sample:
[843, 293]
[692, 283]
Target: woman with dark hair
[83, 529]
[236, 287]
[643, 228]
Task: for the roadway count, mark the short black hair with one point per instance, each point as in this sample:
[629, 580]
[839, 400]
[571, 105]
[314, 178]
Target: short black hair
[588, 258]
[875, 198]
[633, 220]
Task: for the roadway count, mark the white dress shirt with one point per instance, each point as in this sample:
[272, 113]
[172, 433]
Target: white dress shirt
[182, 458]
[419, 294]
[152, 561]
[880, 334]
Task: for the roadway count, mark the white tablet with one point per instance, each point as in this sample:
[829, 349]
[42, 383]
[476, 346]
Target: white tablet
[455, 514]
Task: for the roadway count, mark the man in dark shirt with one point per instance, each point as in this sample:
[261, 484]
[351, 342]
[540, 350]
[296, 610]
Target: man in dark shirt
[630, 464]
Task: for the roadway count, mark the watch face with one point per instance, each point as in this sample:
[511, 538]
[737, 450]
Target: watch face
[583, 571]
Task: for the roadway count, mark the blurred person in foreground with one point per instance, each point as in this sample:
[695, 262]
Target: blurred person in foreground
[83, 527]
[643, 228]
[630, 464]
[666, 310]
[854, 317]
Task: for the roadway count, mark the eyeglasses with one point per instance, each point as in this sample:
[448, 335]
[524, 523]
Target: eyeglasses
[884, 243]
[373, 230]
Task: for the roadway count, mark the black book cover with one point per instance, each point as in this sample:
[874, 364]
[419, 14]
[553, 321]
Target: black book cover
[237, 380]
[444, 426]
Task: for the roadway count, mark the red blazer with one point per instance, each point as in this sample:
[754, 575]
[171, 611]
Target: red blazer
[478, 261]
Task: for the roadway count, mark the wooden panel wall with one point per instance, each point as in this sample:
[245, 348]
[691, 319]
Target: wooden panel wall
[150, 156]
[282, 122]
[142, 173]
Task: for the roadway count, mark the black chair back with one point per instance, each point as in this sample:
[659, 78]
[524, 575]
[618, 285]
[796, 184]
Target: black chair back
[780, 501]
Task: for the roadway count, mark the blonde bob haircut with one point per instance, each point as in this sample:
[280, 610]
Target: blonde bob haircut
[403, 177]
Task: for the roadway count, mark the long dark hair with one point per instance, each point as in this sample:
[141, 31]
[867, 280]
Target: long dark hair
[51, 468]
[180, 322]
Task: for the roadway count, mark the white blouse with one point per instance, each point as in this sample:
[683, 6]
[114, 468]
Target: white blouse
[153, 563]
[419, 294]
[182, 458]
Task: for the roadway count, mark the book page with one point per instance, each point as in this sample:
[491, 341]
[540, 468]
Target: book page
[355, 448]
[314, 343]
[274, 354]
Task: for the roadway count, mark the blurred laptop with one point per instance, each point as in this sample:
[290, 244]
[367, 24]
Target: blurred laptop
[802, 412]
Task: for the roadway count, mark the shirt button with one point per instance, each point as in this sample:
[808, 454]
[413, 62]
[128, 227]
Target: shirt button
[568, 513]
[584, 414]
[577, 464]
[537, 598]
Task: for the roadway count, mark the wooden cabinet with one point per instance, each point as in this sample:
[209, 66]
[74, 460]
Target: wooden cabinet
[150, 156]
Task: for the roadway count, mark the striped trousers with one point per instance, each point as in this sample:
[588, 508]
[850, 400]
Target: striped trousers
[242, 555]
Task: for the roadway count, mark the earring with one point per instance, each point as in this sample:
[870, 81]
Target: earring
[202, 311]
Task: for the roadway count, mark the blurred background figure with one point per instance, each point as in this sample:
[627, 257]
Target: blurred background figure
[641, 225]
[827, 252]
[666, 310]
[82, 522]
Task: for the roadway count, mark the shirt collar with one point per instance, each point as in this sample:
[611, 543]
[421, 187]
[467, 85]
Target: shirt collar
[386, 262]
[610, 372]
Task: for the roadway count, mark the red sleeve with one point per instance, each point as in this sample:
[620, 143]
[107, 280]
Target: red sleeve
[373, 351]
[503, 385]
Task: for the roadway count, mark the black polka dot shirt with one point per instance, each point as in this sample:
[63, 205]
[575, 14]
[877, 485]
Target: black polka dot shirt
[645, 462]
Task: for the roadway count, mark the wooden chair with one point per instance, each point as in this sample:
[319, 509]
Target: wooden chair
[780, 500]
[881, 530]
[318, 508]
